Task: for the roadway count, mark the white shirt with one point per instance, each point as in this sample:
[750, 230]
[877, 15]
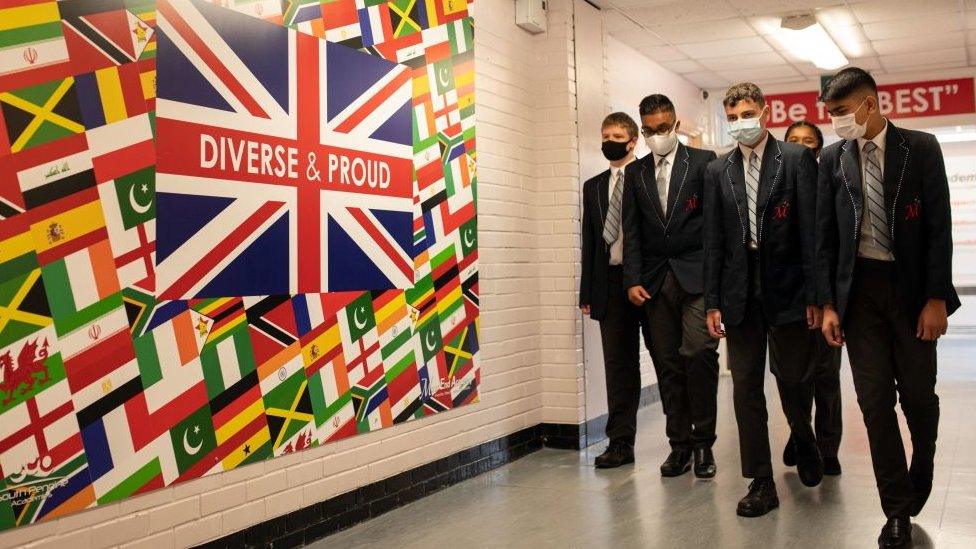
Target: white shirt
[866, 247]
[759, 149]
[662, 190]
[617, 248]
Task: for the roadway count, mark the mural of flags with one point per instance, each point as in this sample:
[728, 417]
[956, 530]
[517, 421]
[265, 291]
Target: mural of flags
[162, 320]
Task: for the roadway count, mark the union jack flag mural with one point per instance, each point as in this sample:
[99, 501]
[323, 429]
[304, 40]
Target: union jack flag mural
[276, 144]
[229, 230]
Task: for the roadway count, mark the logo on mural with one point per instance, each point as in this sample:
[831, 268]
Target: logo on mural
[33, 482]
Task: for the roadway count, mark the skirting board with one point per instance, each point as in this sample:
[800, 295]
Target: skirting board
[594, 430]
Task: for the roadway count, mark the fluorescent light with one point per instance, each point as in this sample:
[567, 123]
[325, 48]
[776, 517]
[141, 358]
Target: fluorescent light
[842, 27]
[806, 38]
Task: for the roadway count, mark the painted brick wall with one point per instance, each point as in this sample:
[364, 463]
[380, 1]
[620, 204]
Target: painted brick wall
[531, 342]
[558, 216]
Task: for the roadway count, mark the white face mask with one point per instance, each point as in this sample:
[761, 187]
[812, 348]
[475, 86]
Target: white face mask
[846, 126]
[746, 130]
[662, 145]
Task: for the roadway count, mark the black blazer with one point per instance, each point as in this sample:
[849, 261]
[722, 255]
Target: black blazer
[919, 220]
[786, 226]
[654, 241]
[594, 288]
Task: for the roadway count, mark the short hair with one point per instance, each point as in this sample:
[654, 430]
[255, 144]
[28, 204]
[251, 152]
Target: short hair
[655, 103]
[812, 126]
[848, 81]
[743, 90]
[623, 120]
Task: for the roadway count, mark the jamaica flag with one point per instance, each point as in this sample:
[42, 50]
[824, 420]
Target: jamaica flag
[41, 114]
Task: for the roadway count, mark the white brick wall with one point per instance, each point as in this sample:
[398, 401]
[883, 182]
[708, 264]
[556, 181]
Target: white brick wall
[531, 345]
[558, 213]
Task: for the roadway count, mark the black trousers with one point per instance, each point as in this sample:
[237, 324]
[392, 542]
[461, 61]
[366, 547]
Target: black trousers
[788, 350]
[686, 362]
[828, 421]
[889, 364]
[825, 372]
[620, 333]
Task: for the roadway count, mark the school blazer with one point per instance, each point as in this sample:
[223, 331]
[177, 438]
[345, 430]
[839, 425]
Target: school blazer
[655, 241]
[916, 195]
[786, 206]
[594, 286]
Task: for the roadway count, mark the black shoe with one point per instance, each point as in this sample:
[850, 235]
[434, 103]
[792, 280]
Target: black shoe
[831, 466]
[760, 500]
[789, 452]
[896, 534]
[809, 464]
[617, 454]
[677, 464]
[704, 463]
[921, 487]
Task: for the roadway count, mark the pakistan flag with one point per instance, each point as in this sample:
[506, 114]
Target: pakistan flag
[137, 196]
[193, 439]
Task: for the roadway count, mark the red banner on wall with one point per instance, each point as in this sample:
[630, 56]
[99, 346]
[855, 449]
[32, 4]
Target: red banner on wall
[904, 100]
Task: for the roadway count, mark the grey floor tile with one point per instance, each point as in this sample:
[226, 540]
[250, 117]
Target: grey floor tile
[556, 498]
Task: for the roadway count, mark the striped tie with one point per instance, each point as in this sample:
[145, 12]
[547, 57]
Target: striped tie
[662, 184]
[752, 193]
[874, 197]
[611, 227]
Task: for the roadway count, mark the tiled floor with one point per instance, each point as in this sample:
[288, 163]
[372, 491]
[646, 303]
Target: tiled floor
[556, 498]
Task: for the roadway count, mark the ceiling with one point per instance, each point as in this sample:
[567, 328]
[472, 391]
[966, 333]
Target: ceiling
[714, 43]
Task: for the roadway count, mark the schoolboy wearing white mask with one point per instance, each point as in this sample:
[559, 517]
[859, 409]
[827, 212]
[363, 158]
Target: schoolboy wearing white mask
[663, 273]
[884, 232]
[760, 281]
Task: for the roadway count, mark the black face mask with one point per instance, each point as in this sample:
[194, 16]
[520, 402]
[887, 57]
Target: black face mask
[615, 150]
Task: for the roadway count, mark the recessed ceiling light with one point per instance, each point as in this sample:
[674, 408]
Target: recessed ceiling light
[806, 38]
